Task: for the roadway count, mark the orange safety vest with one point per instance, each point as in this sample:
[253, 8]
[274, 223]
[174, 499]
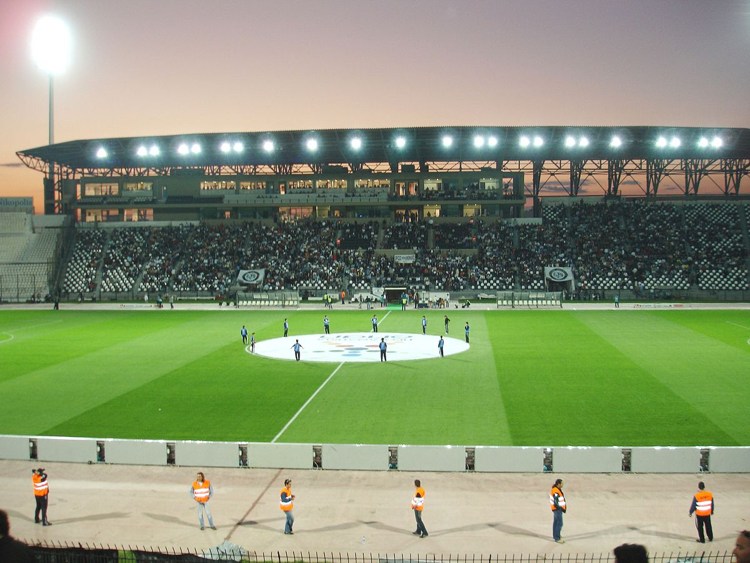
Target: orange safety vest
[417, 503]
[560, 499]
[704, 503]
[286, 505]
[41, 487]
[202, 491]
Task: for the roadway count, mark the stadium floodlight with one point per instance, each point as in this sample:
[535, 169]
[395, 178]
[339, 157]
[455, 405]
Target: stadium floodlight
[478, 141]
[703, 143]
[154, 150]
[675, 142]
[238, 146]
[195, 148]
[51, 46]
[524, 141]
[356, 143]
[183, 149]
[717, 142]
[583, 142]
[492, 141]
[225, 147]
[570, 141]
[446, 141]
[268, 146]
[615, 142]
[400, 142]
[312, 144]
[142, 151]
[661, 142]
[538, 141]
[101, 152]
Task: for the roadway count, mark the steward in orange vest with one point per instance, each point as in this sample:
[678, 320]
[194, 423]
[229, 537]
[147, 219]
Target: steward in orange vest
[286, 503]
[202, 491]
[703, 506]
[41, 495]
[417, 505]
[558, 506]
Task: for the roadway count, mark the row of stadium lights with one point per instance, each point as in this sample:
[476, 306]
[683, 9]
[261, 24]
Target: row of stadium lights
[447, 141]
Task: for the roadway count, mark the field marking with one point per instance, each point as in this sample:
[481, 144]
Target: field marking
[288, 424]
[12, 335]
[739, 325]
[380, 322]
[262, 494]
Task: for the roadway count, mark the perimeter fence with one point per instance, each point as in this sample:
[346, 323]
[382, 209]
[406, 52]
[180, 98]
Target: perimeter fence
[67, 553]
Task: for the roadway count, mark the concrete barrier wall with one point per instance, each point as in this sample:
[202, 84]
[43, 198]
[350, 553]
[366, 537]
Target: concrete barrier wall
[431, 458]
[14, 447]
[357, 456]
[78, 450]
[508, 459]
[665, 460]
[136, 452]
[289, 456]
[729, 460]
[207, 454]
[373, 457]
[587, 460]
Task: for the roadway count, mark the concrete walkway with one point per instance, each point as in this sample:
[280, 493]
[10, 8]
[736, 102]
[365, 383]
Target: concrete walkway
[368, 512]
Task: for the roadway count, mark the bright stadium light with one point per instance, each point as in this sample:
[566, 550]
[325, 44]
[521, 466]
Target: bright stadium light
[538, 141]
[356, 143]
[400, 142]
[675, 142]
[717, 143]
[446, 141]
[101, 152]
[583, 142]
[615, 142]
[524, 141]
[570, 141]
[195, 148]
[492, 141]
[183, 149]
[661, 142]
[142, 151]
[312, 144]
[238, 146]
[154, 150]
[51, 46]
[268, 145]
[225, 147]
[478, 141]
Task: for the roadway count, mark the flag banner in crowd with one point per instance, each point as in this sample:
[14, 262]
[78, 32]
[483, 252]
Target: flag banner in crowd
[251, 277]
[558, 274]
[404, 258]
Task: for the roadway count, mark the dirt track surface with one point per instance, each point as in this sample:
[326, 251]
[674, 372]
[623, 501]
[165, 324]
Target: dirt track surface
[355, 512]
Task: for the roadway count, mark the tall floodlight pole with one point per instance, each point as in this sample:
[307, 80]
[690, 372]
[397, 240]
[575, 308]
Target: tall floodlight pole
[50, 49]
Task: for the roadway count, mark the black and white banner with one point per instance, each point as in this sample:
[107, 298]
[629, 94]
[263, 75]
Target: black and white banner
[558, 274]
[404, 258]
[251, 277]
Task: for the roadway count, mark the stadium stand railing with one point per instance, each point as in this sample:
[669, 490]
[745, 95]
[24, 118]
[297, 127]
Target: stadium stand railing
[47, 551]
[529, 299]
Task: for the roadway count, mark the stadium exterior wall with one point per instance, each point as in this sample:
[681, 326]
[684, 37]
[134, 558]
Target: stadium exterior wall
[521, 459]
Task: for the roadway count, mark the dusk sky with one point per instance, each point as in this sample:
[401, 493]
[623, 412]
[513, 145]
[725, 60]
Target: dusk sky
[144, 67]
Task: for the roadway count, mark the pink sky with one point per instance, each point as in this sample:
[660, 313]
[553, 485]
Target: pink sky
[151, 67]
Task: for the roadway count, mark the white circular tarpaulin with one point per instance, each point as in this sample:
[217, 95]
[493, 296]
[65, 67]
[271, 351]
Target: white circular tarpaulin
[359, 347]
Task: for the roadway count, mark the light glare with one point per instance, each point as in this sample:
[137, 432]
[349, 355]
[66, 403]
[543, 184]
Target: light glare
[268, 145]
[102, 153]
[356, 143]
[312, 145]
[447, 141]
[616, 142]
[400, 142]
[51, 45]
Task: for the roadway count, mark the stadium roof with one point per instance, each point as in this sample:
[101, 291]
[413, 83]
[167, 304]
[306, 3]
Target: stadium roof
[415, 144]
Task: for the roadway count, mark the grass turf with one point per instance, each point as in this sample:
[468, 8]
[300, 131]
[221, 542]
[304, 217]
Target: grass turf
[596, 378]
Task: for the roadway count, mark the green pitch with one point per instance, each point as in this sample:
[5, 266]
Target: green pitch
[628, 378]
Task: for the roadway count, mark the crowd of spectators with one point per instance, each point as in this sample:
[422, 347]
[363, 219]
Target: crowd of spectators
[631, 245]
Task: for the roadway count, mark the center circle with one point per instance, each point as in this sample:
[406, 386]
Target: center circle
[359, 347]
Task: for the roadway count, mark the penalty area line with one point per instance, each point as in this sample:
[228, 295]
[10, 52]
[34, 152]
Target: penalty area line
[291, 420]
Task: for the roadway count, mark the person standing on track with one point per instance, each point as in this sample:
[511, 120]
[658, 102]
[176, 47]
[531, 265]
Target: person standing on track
[287, 506]
[559, 507]
[41, 495]
[703, 507]
[417, 505]
[202, 491]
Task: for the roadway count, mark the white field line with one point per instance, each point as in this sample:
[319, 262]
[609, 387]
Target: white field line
[19, 329]
[384, 318]
[735, 324]
[291, 420]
